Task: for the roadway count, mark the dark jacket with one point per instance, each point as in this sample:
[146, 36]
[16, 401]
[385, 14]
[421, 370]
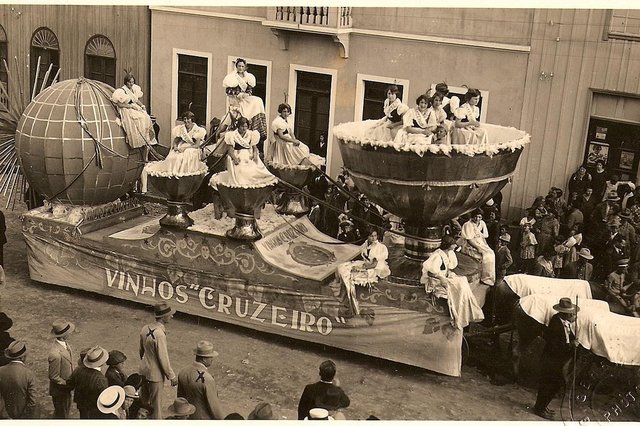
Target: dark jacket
[556, 349]
[5, 341]
[114, 377]
[88, 384]
[321, 395]
[18, 390]
[571, 271]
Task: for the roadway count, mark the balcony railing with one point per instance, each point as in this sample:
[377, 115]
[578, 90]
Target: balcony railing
[333, 21]
[328, 17]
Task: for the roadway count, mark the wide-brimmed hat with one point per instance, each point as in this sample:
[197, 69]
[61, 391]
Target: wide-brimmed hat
[565, 305]
[16, 349]
[625, 214]
[131, 392]
[111, 399]
[205, 349]
[586, 253]
[116, 357]
[261, 412]
[318, 414]
[5, 322]
[181, 407]
[622, 262]
[506, 238]
[134, 380]
[61, 328]
[96, 357]
[613, 196]
[162, 310]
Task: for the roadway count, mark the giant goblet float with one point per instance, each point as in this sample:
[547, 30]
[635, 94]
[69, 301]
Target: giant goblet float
[428, 185]
[293, 202]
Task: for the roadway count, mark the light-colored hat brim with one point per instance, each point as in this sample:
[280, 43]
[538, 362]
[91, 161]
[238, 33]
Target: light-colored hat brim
[114, 408]
[99, 363]
[586, 256]
[207, 355]
[171, 411]
[71, 329]
[172, 311]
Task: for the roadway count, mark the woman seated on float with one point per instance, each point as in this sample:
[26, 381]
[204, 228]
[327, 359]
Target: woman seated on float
[440, 281]
[286, 149]
[417, 125]
[366, 271]
[474, 244]
[386, 128]
[467, 129]
[239, 86]
[135, 120]
[186, 140]
[244, 167]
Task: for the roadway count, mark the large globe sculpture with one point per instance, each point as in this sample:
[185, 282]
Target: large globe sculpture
[71, 147]
[429, 185]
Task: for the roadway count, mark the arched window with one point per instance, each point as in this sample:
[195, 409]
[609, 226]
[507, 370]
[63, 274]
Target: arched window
[4, 78]
[44, 45]
[100, 60]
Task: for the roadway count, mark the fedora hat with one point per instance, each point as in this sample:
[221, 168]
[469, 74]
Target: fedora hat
[162, 310]
[116, 357]
[623, 262]
[131, 392]
[111, 399]
[205, 349]
[5, 322]
[506, 238]
[625, 214]
[565, 305]
[181, 407]
[586, 253]
[96, 357]
[318, 414]
[16, 349]
[261, 412]
[61, 328]
[613, 196]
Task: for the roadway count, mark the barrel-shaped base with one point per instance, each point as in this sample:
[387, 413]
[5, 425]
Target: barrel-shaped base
[293, 203]
[245, 228]
[176, 216]
[430, 239]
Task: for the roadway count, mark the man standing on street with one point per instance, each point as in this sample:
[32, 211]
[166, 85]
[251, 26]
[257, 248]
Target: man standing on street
[60, 368]
[88, 382]
[197, 385]
[155, 365]
[560, 341]
[323, 394]
[18, 384]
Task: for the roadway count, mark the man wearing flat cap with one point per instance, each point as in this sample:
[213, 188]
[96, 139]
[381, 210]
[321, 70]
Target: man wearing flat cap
[88, 382]
[115, 373]
[60, 359]
[197, 385]
[560, 341]
[155, 365]
[18, 384]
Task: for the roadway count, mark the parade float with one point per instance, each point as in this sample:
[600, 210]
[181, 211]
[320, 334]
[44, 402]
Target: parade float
[272, 271]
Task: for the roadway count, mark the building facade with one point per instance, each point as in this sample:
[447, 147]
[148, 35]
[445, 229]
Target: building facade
[65, 42]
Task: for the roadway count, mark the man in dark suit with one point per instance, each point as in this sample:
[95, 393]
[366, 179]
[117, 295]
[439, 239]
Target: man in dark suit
[581, 269]
[88, 382]
[18, 384]
[560, 341]
[323, 394]
[60, 368]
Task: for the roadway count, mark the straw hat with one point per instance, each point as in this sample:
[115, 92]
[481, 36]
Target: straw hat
[131, 392]
[623, 262]
[111, 399]
[181, 407]
[613, 196]
[61, 328]
[162, 310]
[16, 349]
[205, 349]
[96, 357]
[318, 414]
[566, 306]
[586, 253]
[506, 238]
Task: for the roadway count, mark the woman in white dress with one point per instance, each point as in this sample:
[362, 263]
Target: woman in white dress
[372, 267]
[467, 130]
[474, 244]
[286, 148]
[440, 280]
[386, 128]
[135, 120]
[186, 141]
[417, 124]
[239, 86]
[244, 167]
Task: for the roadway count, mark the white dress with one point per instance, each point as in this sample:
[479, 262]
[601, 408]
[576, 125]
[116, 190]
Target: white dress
[187, 158]
[249, 173]
[136, 123]
[250, 107]
[362, 276]
[468, 135]
[284, 152]
[393, 113]
[472, 232]
[416, 119]
[440, 280]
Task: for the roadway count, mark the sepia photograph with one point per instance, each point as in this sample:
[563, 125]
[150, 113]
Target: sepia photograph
[346, 211]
